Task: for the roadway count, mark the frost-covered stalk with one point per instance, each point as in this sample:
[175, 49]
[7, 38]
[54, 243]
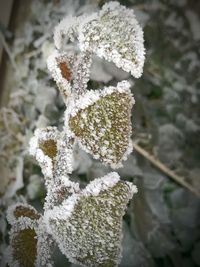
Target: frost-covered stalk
[86, 224]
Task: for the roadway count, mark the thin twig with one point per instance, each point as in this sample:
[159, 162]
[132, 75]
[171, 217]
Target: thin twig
[180, 180]
[8, 51]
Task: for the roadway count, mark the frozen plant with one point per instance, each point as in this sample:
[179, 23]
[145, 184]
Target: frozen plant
[86, 224]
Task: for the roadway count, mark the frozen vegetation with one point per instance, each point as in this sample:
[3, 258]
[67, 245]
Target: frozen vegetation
[161, 225]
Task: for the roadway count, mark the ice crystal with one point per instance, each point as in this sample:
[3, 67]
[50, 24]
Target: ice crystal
[114, 34]
[101, 122]
[88, 226]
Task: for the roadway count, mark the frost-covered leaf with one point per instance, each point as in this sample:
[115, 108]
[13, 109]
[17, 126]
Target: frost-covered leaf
[70, 71]
[53, 150]
[114, 34]
[30, 245]
[24, 247]
[60, 66]
[21, 210]
[43, 146]
[88, 226]
[101, 122]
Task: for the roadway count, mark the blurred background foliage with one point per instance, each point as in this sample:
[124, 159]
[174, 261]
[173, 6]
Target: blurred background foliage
[161, 226]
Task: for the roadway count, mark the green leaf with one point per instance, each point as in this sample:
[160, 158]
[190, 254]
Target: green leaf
[24, 247]
[104, 126]
[115, 35]
[88, 226]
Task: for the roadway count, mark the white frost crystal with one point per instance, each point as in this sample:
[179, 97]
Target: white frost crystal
[82, 68]
[101, 122]
[88, 226]
[115, 35]
[64, 159]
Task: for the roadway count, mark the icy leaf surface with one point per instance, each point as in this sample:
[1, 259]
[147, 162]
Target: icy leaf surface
[30, 244]
[70, 71]
[25, 241]
[49, 148]
[60, 66]
[102, 123]
[53, 150]
[114, 34]
[43, 146]
[88, 226]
